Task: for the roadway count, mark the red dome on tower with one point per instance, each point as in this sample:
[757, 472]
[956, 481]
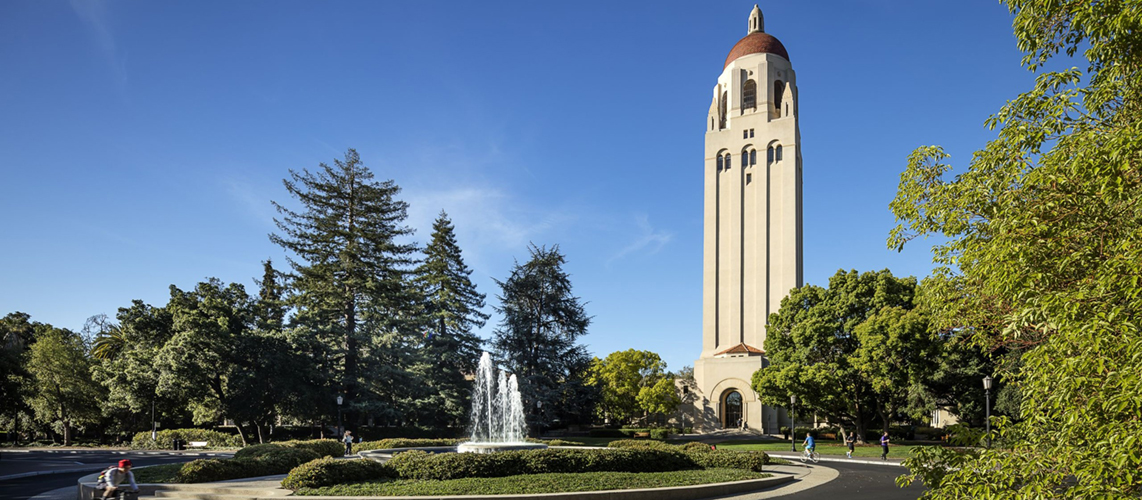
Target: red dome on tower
[758, 42]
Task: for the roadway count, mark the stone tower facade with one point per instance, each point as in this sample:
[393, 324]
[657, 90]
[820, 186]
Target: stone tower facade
[752, 231]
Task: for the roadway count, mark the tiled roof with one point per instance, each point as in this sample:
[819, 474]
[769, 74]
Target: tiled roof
[756, 43]
[742, 349]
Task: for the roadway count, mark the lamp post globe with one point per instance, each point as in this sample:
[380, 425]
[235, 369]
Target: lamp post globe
[987, 407]
[793, 422]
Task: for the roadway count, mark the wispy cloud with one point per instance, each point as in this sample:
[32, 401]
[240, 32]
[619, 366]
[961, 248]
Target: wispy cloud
[648, 239]
[93, 14]
[488, 221]
[253, 199]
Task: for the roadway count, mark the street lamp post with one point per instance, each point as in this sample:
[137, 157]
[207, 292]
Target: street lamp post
[539, 413]
[987, 406]
[340, 428]
[793, 422]
[154, 428]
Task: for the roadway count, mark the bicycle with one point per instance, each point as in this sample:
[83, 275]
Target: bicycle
[807, 455]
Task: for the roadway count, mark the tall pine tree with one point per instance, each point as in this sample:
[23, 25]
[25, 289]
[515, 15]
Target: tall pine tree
[355, 310]
[536, 340]
[453, 309]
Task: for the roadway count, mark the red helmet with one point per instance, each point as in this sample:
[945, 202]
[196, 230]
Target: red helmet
[124, 463]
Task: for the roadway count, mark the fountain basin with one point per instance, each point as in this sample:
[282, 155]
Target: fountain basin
[494, 447]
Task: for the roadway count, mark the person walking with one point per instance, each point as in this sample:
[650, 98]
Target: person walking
[850, 440]
[348, 440]
[884, 446]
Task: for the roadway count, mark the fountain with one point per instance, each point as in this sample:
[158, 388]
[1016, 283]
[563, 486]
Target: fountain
[497, 413]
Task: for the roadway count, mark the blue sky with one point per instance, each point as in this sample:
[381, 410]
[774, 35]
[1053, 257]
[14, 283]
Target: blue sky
[141, 142]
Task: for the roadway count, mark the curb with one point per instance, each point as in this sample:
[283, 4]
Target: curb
[672, 493]
[825, 458]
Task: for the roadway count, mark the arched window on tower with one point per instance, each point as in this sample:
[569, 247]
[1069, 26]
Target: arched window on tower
[719, 162]
[749, 95]
[769, 155]
[779, 152]
[727, 162]
[745, 159]
[753, 157]
[778, 91]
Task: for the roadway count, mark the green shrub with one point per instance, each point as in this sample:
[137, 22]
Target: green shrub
[386, 444]
[329, 471]
[561, 442]
[263, 461]
[639, 444]
[421, 465]
[256, 450]
[165, 439]
[659, 434]
[724, 459]
[323, 447]
[696, 446]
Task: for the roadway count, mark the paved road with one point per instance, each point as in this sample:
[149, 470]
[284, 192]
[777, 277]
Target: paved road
[24, 488]
[862, 482]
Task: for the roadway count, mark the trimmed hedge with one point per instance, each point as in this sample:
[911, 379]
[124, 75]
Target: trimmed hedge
[262, 461]
[165, 439]
[329, 471]
[642, 444]
[322, 447]
[647, 456]
[385, 444]
[696, 446]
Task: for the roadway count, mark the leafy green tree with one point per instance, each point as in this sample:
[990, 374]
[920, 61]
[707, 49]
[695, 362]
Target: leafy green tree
[661, 397]
[62, 392]
[453, 309]
[218, 361]
[896, 353]
[355, 312]
[536, 339]
[813, 346]
[1043, 255]
[127, 371]
[270, 309]
[17, 333]
[621, 376]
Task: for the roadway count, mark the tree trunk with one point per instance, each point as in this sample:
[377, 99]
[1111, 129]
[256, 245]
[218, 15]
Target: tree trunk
[240, 433]
[66, 433]
[258, 426]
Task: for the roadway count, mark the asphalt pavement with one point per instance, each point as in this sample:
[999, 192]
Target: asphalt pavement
[20, 462]
[862, 482]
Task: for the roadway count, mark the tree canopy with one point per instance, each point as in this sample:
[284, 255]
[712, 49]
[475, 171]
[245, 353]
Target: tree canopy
[621, 377]
[1043, 255]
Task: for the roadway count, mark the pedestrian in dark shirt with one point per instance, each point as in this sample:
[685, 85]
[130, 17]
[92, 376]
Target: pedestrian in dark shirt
[884, 446]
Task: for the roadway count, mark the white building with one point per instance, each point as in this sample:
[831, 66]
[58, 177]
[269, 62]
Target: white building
[752, 241]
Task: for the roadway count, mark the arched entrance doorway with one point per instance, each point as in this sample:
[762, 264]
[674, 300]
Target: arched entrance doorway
[732, 415]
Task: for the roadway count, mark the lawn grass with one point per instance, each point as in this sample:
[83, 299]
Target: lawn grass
[157, 473]
[823, 447]
[535, 483]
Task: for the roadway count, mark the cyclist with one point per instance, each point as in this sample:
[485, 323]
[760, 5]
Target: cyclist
[810, 444]
[114, 476]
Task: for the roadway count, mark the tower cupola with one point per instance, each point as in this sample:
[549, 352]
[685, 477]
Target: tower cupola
[756, 21]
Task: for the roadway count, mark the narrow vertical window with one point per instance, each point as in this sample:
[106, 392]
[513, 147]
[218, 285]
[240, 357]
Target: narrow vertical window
[769, 155]
[751, 133]
[778, 92]
[778, 153]
[745, 159]
[727, 162]
[749, 95]
[722, 112]
[719, 162]
[745, 134]
[753, 157]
